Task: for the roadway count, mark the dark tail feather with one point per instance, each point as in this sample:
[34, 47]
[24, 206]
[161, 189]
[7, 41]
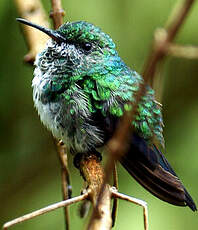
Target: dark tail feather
[151, 169]
[189, 201]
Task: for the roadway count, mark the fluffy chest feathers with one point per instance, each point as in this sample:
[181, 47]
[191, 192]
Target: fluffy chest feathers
[80, 94]
[67, 116]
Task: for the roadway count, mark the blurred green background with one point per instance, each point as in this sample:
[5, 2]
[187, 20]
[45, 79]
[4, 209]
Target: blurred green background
[30, 173]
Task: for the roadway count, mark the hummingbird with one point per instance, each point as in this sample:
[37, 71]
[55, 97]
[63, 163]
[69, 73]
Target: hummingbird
[82, 87]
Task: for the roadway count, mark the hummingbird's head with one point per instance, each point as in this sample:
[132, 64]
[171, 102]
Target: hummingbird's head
[76, 49]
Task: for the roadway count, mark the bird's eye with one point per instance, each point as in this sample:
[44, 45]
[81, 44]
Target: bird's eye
[87, 46]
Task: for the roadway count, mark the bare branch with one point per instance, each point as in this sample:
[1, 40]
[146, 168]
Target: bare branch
[57, 13]
[161, 45]
[115, 200]
[93, 174]
[190, 52]
[102, 220]
[65, 178]
[134, 201]
[32, 10]
[117, 146]
[45, 210]
[177, 18]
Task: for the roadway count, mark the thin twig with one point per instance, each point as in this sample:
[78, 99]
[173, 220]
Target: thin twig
[188, 51]
[32, 10]
[163, 40]
[133, 200]
[115, 200]
[65, 179]
[117, 146]
[45, 210]
[177, 19]
[57, 13]
[160, 46]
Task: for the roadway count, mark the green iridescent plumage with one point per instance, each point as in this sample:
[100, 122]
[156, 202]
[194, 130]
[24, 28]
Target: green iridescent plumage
[103, 76]
[81, 88]
[85, 32]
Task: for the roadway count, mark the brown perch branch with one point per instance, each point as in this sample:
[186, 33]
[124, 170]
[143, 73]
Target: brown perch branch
[93, 173]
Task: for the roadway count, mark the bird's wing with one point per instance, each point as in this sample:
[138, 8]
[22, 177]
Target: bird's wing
[143, 160]
[116, 91]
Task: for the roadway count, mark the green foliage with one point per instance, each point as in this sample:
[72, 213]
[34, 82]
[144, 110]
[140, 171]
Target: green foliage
[30, 174]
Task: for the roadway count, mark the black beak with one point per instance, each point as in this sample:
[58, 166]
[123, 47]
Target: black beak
[51, 33]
